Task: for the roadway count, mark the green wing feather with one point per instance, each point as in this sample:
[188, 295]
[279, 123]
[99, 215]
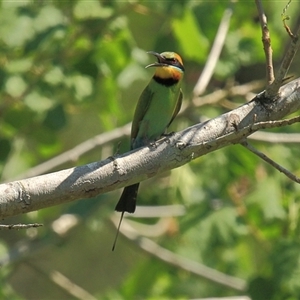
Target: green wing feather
[141, 109]
[177, 108]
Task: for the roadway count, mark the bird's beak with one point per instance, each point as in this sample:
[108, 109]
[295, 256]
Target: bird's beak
[161, 61]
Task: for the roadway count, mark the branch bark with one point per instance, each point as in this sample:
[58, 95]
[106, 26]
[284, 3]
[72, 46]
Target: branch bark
[266, 42]
[170, 152]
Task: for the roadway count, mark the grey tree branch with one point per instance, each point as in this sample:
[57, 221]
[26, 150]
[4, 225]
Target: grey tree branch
[272, 137]
[102, 139]
[74, 153]
[19, 226]
[285, 64]
[271, 162]
[266, 42]
[65, 283]
[170, 152]
[214, 54]
[274, 83]
[183, 263]
[218, 95]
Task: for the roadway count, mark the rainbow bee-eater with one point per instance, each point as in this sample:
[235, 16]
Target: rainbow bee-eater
[157, 107]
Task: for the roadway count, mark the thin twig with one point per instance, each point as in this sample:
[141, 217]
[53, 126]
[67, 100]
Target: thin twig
[182, 262]
[271, 162]
[64, 283]
[19, 226]
[285, 18]
[272, 90]
[273, 124]
[69, 286]
[266, 42]
[272, 137]
[214, 54]
[76, 152]
[218, 95]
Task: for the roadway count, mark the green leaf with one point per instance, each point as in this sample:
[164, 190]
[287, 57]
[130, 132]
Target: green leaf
[19, 65]
[286, 264]
[48, 17]
[19, 31]
[15, 86]
[222, 226]
[91, 9]
[192, 42]
[261, 288]
[37, 102]
[19, 117]
[267, 196]
[82, 85]
[56, 118]
[55, 76]
[5, 147]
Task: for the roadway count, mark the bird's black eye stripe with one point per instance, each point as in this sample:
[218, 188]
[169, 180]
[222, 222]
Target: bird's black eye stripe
[175, 62]
[171, 59]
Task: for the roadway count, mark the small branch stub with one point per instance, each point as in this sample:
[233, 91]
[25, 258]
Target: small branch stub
[19, 226]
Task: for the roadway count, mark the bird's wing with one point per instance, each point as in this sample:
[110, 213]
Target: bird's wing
[177, 107]
[140, 111]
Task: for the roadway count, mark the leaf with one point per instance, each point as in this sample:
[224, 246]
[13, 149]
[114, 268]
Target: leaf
[19, 65]
[286, 265]
[15, 86]
[56, 118]
[222, 226]
[267, 196]
[55, 76]
[192, 42]
[5, 146]
[18, 31]
[48, 17]
[82, 85]
[261, 288]
[91, 9]
[37, 102]
[19, 117]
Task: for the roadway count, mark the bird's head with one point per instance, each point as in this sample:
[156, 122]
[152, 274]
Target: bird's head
[169, 65]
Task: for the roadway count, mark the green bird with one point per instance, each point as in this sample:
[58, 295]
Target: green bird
[157, 107]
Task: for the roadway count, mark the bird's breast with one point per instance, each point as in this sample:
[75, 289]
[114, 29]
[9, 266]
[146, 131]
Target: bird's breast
[158, 115]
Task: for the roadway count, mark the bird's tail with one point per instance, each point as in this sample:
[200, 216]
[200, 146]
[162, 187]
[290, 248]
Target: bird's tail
[127, 201]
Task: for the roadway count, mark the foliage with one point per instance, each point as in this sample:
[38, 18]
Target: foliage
[72, 69]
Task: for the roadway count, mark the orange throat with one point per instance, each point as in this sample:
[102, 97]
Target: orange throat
[168, 72]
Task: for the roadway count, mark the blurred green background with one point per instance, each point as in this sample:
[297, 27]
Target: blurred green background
[70, 70]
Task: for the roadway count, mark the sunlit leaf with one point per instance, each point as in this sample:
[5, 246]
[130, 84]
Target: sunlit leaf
[15, 86]
[48, 16]
[91, 9]
[192, 42]
[267, 196]
[37, 102]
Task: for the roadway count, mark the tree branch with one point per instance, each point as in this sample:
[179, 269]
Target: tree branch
[271, 162]
[272, 90]
[170, 152]
[76, 152]
[63, 282]
[214, 54]
[271, 137]
[19, 226]
[183, 263]
[266, 42]
[102, 139]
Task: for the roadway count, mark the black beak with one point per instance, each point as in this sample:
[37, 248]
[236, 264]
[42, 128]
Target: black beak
[161, 61]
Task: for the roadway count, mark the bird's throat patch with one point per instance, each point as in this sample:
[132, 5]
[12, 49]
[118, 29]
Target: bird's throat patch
[165, 81]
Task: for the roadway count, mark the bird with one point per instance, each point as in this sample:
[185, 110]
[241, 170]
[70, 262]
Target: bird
[156, 109]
